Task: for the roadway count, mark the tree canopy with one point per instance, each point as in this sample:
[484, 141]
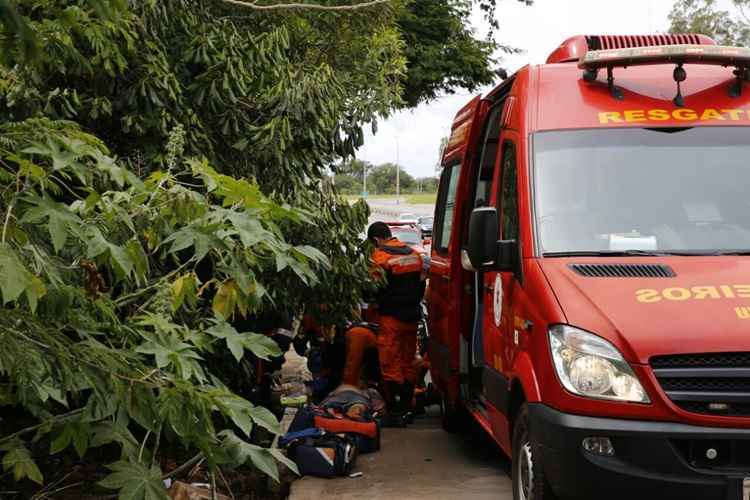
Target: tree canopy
[706, 17]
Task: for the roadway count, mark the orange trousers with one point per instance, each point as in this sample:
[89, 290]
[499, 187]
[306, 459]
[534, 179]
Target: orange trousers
[397, 345]
[358, 340]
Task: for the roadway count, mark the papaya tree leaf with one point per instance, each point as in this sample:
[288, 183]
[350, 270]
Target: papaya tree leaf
[242, 452]
[262, 346]
[19, 460]
[135, 481]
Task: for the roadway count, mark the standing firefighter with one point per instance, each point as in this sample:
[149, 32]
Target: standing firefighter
[398, 309]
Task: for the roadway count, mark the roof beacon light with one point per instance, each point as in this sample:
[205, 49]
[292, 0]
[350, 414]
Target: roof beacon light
[736, 57]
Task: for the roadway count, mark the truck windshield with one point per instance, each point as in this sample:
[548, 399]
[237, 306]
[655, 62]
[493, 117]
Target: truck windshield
[642, 191]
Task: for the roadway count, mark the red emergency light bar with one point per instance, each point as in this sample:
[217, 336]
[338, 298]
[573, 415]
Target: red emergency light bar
[737, 57]
[663, 54]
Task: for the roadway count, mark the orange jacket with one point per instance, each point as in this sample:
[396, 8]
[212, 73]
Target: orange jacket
[404, 288]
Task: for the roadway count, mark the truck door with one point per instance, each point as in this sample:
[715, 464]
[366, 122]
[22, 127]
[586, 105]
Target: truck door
[500, 289]
[447, 299]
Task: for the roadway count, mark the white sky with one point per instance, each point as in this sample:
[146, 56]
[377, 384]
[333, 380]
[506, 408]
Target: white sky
[538, 30]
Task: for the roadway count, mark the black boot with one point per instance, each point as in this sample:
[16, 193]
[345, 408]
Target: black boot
[394, 416]
[406, 395]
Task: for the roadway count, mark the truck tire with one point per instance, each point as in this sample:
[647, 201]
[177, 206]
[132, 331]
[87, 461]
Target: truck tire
[529, 481]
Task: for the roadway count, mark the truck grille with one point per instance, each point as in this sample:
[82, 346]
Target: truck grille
[709, 383]
[623, 270]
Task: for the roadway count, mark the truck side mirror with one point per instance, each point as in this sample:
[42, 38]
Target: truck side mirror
[483, 236]
[486, 251]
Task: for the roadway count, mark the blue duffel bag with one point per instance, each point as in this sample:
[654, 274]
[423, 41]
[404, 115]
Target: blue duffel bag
[322, 455]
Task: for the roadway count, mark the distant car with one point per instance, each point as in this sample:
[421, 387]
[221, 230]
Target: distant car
[411, 235]
[424, 224]
[407, 217]
[408, 233]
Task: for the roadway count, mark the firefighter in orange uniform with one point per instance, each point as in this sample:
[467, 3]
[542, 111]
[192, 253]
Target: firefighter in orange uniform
[399, 310]
[360, 339]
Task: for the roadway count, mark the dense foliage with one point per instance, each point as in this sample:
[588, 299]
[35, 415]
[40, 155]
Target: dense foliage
[706, 16]
[105, 332]
[441, 50]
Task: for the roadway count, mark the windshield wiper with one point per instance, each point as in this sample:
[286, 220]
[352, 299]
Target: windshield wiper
[624, 253]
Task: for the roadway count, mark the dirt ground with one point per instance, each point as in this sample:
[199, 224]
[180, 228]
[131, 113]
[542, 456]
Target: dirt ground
[420, 462]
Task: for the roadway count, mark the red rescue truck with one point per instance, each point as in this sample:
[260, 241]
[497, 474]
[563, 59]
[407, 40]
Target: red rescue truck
[589, 294]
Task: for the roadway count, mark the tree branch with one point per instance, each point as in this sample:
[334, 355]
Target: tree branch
[311, 6]
[56, 418]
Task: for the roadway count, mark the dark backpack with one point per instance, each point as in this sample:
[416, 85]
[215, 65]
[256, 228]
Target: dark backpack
[328, 455]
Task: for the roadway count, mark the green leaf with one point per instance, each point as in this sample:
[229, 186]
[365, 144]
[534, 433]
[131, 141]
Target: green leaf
[76, 433]
[184, 288]
[263, 417]
[249, 229]
[80, 439]
[121, 260]
[135, 481]
[96, 244]
[281, 457]
[235, 341]
[226, 301]
[262, 346]
[59, 218]
[263, 460]
[238, 409]
[23, 466]
[312, 253]
[16, 279]
[138, 257]
[242, 452]
[142, 406]
[62, 440]
[170, 351]
[110, 432]
[202, 238]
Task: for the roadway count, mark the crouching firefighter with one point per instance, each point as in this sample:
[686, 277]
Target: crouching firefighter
[398, 309]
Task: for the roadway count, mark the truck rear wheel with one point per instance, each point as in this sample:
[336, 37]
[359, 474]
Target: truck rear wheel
[529, 482]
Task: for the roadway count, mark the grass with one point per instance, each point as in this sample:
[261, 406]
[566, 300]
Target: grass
[411, 199]
[421, 199]
[355, 197]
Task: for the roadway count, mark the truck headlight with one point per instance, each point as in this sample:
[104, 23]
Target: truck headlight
[590, 366]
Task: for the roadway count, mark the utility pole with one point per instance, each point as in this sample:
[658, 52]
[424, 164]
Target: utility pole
[364, 176]
[398, 187]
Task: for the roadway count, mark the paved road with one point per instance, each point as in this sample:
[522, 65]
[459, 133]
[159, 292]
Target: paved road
[421, 462]
[388, 207]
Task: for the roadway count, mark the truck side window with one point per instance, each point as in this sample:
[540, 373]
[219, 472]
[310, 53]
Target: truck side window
[487, 160]
[509, 193]
[444, 209]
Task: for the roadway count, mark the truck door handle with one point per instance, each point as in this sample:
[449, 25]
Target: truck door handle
[446, 277]
[489, 288]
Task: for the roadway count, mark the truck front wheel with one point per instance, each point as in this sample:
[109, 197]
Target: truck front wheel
[529, 482]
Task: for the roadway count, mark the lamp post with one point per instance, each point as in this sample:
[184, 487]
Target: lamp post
[364, 177]
[398, 187]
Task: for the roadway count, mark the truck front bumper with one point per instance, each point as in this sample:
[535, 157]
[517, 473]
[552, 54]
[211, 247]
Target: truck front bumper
[651, 460]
